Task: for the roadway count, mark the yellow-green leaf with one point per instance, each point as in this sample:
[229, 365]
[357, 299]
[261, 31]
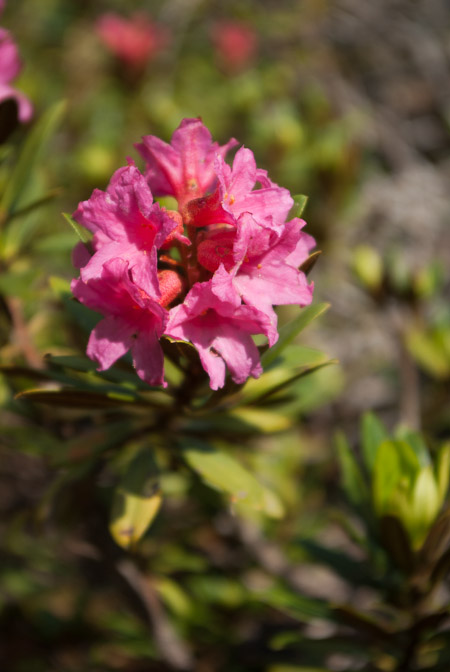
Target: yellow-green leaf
[136, 501]
[223, 472]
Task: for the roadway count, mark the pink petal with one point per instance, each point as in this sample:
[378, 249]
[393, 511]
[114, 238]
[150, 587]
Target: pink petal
[109, 341]
[148, 358]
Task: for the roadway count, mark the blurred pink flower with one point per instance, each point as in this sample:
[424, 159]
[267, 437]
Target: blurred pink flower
[235, 43]
[134, 40]
[10, 67]
[216, 286]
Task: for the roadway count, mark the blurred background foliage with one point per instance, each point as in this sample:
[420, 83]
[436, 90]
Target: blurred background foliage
[345, 101]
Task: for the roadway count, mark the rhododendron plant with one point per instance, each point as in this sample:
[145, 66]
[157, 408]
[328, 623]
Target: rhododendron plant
[10, 66]
[209, 273]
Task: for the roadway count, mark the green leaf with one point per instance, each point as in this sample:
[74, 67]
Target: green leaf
[396, 542]
[136, 502]
[277, 381]
[80, 231]
[300, 201]
[288, 333]
[373, 433]
[362, 622]
[73, 398]
[298, 606]
[425, 505]
[386, 475]
[221, 471]
[352, 478]
[428, 349]
[30, 154]
[309, 263]
[416, 442]
[443, 470]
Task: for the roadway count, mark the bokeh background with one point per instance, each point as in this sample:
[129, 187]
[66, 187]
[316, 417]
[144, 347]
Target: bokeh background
[343, 100]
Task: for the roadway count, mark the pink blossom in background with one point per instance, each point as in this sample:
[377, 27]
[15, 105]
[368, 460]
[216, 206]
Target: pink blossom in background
[235, 44]
[134, 40]
[209, 273]
[10, 66]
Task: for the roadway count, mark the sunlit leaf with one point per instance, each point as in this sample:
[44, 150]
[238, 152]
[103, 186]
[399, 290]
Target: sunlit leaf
[443, 470]
[425, 504]
[223, 472]
[289, 332]
[136, 502]
[80, 231]
[300, 201]
[72, 398]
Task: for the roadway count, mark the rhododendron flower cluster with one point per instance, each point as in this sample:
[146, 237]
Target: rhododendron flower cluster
[209, 273]
[10, 66]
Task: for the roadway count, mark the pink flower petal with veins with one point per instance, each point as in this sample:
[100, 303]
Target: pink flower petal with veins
[185, 167]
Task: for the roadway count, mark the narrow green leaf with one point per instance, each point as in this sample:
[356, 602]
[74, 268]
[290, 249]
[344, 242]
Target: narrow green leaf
[298, 606]
[80, 231]
[443, 470]
[363, 623]
[73, 398]
[386, 475]
[223, 472]
[300, 201]
[396, 542]
[291, 330]
[373, 433]
[353, 481]
[30, 154]
[282, 386]
[136, 502]
[425, 505]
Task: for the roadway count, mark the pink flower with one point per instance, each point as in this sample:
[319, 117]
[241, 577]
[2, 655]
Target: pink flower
[185, 168]
[135, 41]
[262, 274]
[128, 225]
[235, 43]
[133, 321]
[218, 286]
[221, 331]
[10, 67]
[235, 194]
